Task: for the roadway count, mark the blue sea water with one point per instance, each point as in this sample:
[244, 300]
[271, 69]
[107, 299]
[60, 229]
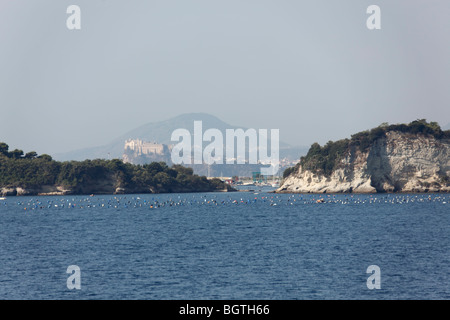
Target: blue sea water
[225, 246]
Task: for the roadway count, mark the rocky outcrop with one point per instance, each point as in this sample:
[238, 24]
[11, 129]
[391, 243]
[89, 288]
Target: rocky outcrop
[49, 191]
[43, 190]
[397, 162]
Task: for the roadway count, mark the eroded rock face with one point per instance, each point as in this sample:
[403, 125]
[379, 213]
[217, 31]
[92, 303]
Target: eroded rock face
[6, 192]
[43, 190]
[399, 162]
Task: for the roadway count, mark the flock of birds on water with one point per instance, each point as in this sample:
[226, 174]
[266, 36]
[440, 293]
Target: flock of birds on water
[213, 200]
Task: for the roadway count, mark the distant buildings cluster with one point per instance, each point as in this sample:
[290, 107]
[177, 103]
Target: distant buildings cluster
[137, 151]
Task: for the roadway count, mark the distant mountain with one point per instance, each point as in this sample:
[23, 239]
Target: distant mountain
[160, 132]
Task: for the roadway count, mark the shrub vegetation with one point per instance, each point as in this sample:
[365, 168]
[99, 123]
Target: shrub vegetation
[30, 170]
[326, 159]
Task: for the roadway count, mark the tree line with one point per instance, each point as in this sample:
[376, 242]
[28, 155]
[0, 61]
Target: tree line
[28, 170]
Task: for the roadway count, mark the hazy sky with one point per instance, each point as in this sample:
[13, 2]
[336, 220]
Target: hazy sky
[309, 68]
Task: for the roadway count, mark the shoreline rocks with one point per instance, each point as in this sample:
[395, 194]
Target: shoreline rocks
[62, 191]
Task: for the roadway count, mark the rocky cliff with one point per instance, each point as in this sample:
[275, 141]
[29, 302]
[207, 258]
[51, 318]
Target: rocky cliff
[394, 162]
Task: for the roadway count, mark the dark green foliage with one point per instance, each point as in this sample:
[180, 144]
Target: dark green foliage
[45, 157]
[31, 155]
[288, 171]
[216, 183]
[366, 138]
[27, 172]
[421, 126]
[326, 159]
[4, 149]
[34, 171]
[16, 154]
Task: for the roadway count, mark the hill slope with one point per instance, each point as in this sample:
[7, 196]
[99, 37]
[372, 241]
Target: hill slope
[161, 132]
[397, 158]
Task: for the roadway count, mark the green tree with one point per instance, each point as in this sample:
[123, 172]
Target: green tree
[16, 154]
[4, 148]
[45, 157]
[288, 171]
[30, 155]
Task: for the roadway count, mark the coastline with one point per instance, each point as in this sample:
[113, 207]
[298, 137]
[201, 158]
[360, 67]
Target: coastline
[60, 191]
[361, 193]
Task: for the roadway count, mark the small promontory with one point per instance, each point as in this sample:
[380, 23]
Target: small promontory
[406, 158]
[30, 174]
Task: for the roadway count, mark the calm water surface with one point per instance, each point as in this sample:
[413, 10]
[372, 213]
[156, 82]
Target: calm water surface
[225, 246]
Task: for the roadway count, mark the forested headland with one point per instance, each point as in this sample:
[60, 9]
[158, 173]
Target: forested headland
[29, 174]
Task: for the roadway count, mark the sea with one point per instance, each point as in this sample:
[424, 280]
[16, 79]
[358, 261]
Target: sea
[246, 245]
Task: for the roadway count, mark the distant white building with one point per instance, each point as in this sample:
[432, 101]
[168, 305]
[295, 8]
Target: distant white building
[141, 147]
[139, 152]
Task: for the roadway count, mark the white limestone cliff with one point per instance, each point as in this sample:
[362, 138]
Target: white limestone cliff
[399, 162]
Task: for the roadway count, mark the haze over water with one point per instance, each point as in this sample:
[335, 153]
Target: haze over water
[240, 245]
